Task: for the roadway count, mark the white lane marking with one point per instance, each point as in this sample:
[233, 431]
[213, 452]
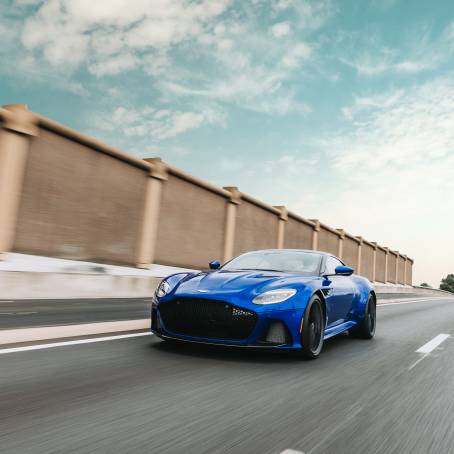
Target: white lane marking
[75, 342]
[429, 347]
[6, 301]
[291, 451]
[17, 313]
[432, 344]
[417, 362]
[422, 300]
[14, 336]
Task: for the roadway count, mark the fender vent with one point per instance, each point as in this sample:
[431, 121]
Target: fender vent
[327, 291]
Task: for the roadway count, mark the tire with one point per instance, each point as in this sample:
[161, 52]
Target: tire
[366, 329]
[313, 329]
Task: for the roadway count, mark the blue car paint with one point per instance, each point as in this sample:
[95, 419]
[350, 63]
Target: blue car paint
[239, 288]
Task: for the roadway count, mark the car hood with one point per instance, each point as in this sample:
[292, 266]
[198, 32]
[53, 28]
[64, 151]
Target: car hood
[229, 281]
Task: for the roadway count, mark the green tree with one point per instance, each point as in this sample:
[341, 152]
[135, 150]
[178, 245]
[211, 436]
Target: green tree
[448, 283]
[425, 284]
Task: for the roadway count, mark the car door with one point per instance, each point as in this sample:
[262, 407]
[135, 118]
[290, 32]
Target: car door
[339, 291]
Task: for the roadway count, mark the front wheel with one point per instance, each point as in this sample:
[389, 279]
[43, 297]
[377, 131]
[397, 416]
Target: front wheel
[313, 329]
[366, 329]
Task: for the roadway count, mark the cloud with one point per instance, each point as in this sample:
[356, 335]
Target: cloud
[417, 52]
[414, 121]
[240, 86]
[156, 124]
[251, 84]
[312, 15]
[290, 164]
[280, 29]
[75, 31]
[296, 54]
[206, 49]
[372, 66]
[376, 101]
[114, 65]
[393, 166]
[170, 125]
[449, 33]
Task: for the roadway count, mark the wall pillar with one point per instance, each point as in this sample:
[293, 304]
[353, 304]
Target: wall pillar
[340, 245]
[397, 267]
[230, 221]
[409, 280]
[18, 127]
[358, 259]
[149, 230]
[386, 263]
[283, 218]
[374, 264]
[405, 269]
[315, 234]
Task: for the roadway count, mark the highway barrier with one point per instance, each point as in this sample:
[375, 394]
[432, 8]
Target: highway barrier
[64, 194]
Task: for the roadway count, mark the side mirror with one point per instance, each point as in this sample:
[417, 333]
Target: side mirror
[215, 264]
[344, 271]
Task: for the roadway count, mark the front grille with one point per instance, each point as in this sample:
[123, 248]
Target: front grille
[207, 318]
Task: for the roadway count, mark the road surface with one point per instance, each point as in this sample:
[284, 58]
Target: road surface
[35, 313]
[141, 395]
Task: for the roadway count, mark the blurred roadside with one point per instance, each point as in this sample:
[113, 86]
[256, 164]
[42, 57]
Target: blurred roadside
[25, 277]
[47, 298]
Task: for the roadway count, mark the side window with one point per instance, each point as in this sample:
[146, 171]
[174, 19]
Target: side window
[331, 265]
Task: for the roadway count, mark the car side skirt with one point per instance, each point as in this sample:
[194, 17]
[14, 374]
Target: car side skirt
[337, 329]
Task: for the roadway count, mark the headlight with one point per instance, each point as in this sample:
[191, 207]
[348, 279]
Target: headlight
[274, 296]
[162, 289]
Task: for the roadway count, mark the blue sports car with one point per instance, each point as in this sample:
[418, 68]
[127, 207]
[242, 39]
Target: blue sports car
[287, 299]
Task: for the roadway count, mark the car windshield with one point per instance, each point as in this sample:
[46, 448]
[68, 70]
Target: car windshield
[303, 262]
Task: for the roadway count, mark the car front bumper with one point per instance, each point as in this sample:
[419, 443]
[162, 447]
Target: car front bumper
[274, 329]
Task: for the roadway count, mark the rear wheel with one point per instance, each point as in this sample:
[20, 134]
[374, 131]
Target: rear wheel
[366, 329]
[313, 329]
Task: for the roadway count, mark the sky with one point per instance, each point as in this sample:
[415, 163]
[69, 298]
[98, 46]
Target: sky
[339, 110]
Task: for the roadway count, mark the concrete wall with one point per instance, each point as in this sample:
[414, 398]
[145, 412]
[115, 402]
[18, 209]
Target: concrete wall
[408, 272]
[392, 268]
[401, 270]
[298, 234]
[350, 252]
[256, 227]
[77, 203]
[367, 260]
[191, 225]
[328, 241]
[380, 266]
[64, 194]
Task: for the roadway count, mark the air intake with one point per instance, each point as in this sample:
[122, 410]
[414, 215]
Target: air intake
[277, 334]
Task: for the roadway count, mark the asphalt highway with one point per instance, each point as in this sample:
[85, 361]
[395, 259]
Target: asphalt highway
[53, 312]
[142, 395]
[34, 313]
